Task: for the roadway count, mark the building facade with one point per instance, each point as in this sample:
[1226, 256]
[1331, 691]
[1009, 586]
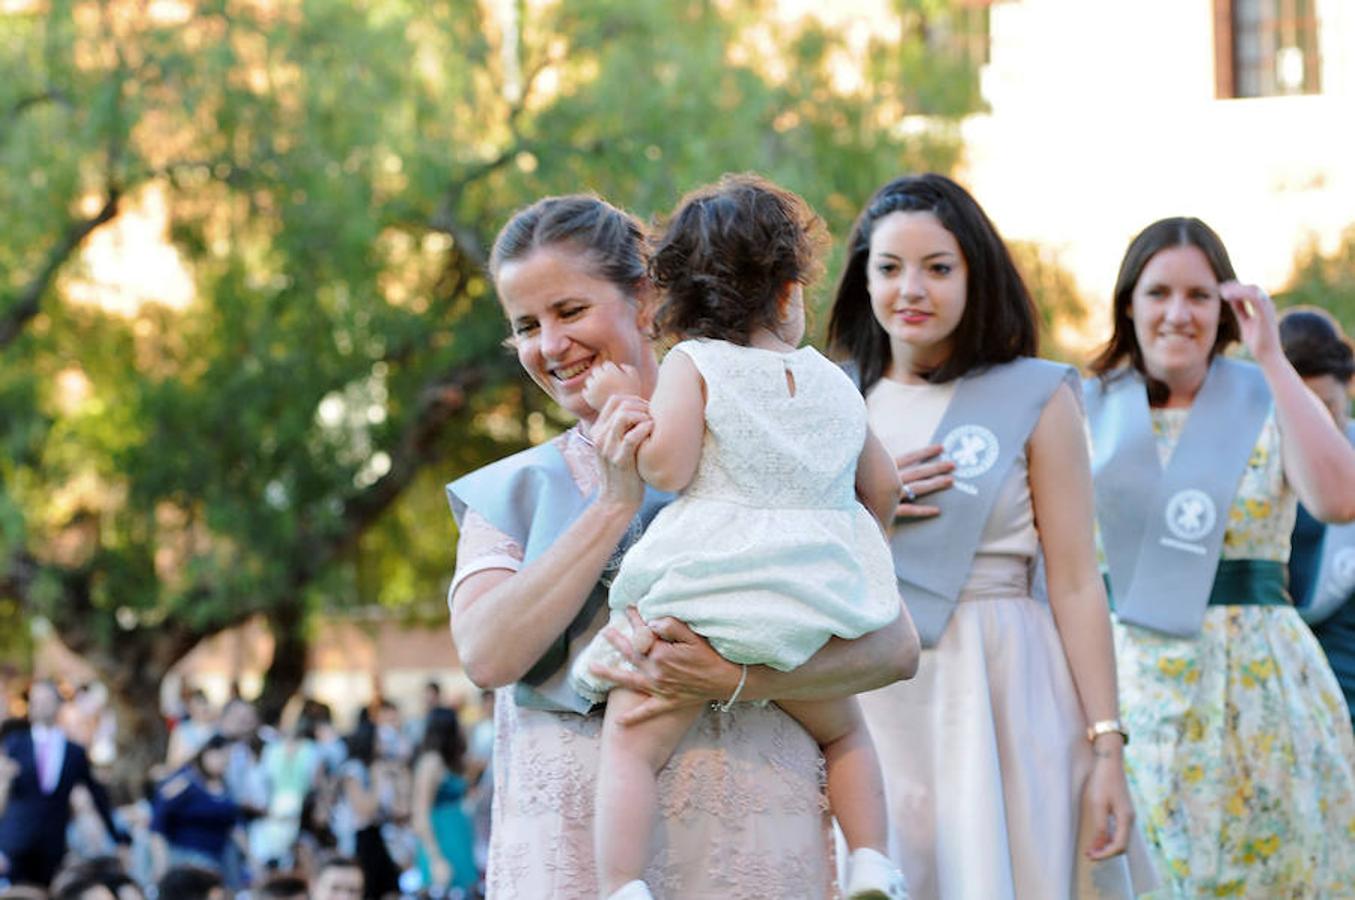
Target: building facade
[1105, 115]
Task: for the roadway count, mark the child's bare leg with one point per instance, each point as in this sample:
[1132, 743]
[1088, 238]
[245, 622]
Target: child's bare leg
[855, 787]
[627, 798]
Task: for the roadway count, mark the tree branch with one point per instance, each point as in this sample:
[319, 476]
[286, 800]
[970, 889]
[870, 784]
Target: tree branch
[29, 299]
[439, 402]
[23, 104]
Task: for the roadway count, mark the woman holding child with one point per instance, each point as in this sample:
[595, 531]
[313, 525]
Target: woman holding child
[740, 802]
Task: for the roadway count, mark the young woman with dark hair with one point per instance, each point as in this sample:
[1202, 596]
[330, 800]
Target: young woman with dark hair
[193, 812]
[446, 837]
[1241, 754]
[1002, 757]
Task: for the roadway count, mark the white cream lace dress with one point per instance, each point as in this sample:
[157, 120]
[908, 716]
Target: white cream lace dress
[768, 553]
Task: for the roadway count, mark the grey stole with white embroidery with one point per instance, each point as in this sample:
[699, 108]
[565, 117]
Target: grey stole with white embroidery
[532, 497]
[1335, 581]
[1162, 531]
[983, 431]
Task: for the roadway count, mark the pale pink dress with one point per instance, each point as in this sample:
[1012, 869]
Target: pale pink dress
[743, 813]
[984, 752]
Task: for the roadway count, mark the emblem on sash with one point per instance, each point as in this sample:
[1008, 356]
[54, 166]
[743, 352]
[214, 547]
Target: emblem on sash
[1342, 577]
[1190, 514]
[972, 448]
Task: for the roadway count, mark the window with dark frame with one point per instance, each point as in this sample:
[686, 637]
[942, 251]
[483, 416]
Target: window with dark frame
[1266, 48]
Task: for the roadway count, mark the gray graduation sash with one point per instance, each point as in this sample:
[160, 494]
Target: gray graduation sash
[1335, 580]
[1162, 531]
[532, 497]
[983, 431]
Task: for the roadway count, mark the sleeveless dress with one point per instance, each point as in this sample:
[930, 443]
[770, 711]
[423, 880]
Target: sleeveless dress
[984, 751]
[454, 833]
[1241, 753]
[768, 553]
[742, 808]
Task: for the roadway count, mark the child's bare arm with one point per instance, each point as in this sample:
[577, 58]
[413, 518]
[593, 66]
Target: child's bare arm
[877, 481]
[668, 457]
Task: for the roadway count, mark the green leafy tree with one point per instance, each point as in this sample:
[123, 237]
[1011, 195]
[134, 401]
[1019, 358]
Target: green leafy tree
[331, 175]
[1325, 280]
[1055, 292]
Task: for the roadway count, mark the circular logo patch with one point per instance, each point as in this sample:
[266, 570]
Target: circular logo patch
[1342, 576]
[972, 448]
[1190, 514]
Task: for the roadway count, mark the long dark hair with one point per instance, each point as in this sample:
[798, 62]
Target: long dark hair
[442, 735]
[727, 254]
[999, 322]
[1123, 347]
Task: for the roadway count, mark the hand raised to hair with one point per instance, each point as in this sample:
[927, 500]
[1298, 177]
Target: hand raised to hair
[611, 380]
[1256, 318]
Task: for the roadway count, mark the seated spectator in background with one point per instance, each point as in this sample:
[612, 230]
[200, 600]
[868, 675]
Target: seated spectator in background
[239, 724]
[289, 765]
[86, 835]
[281, 887]
[84, 888]
[192, 731]
[191, 883]
[23, 892]
[104, 870]
[368, 793]
[415, 725]
[193, 813]
[390, 735]
[339, 878]
[45, 769]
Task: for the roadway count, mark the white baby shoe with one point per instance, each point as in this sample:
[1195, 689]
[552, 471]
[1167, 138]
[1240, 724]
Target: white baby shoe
[872, 876]
[632, 890]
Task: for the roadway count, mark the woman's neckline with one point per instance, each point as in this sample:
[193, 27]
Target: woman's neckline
[917, 385]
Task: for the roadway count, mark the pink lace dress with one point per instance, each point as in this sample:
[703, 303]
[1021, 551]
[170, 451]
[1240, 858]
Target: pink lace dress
[742, 806]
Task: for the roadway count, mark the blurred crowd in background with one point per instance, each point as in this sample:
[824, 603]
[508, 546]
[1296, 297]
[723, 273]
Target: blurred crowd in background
[395, 806]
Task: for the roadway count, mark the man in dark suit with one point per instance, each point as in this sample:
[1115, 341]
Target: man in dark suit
[43, 769]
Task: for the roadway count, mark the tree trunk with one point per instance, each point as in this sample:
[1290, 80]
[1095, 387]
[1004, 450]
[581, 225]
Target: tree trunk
[142, 733]
[287, 670]
[132, 671]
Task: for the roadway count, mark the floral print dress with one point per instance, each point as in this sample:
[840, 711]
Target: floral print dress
[1241, 758]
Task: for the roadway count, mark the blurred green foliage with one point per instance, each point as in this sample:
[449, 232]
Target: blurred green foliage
[1325, 280]
[331, 175]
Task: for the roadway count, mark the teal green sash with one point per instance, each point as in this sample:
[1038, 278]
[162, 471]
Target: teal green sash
[1250, 582]
[1245, 582]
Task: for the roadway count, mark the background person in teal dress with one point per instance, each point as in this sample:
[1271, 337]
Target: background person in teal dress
[1322, 355]
[446, 835]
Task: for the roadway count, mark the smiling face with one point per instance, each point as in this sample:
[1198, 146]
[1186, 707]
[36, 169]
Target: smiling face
[1175, 308]
[918, 283]
[566, 319]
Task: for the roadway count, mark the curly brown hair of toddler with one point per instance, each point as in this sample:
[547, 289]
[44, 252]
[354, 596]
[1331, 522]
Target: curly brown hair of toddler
[728, 252]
